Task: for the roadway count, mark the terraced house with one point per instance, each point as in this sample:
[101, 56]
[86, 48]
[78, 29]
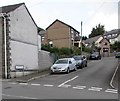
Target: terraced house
[60, 34]
[19, 40]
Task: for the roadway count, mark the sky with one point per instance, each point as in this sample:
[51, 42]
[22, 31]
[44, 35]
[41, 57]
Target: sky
[72, 12]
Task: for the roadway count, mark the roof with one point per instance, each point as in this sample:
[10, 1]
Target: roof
[62, 23]
[104, 39]
[10, 8]
[115, 31]
[91, 40]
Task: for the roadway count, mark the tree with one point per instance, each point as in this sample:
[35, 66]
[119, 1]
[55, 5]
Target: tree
[84, 37]
[116, 46]
[98, 30]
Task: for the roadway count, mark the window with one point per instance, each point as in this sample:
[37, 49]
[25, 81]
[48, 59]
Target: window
[72, 31]
[109, 36]
[105, 43]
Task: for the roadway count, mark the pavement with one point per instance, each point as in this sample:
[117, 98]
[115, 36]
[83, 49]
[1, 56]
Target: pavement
[29, 77]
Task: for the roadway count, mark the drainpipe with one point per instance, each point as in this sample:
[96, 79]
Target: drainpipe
[3, 15]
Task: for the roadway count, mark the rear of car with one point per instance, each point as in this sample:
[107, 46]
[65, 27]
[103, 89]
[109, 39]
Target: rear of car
[95, 56]
[117, 55]
[81, 61]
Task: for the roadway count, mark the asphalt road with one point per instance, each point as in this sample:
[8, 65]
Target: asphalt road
[92, 82]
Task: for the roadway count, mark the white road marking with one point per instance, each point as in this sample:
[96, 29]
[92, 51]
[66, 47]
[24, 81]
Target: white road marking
[37, 77]
[67, 81]
[23, 83]
[65, 86]
[95, 89]
[35, 84]
[111, 91]
[23, 97]
[13, 83]
[79, 87]
[47, 85]
[113, 77]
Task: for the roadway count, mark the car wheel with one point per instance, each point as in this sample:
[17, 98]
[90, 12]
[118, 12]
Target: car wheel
[75, 68]
[86, 65]
[68, 70]
[51, 72]
[81, 66]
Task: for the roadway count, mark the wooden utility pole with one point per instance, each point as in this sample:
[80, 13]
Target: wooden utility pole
[81, 37]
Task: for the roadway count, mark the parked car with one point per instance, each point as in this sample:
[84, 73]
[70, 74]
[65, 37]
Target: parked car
[117, 55]
[64, 65]
[81, 61]
[95, 56]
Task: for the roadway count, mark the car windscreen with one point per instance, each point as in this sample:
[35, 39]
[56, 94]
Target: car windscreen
[61, 62]
[77, 57]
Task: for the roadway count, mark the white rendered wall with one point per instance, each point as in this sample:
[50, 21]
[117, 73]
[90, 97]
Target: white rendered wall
[24, 39]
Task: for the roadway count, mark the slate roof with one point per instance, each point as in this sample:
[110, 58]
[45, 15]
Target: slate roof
[115, 31]
[91, 40]
[9, 8]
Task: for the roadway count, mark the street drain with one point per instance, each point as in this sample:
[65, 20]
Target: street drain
[7, 87]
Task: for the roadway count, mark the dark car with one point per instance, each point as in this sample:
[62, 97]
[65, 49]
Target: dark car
[81, 61]
[95, 56]
[117, 55]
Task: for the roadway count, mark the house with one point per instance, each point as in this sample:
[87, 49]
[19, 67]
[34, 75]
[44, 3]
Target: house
[104, 47]
[113, 35]
[101, 43]
[60, 34]
[20, 41]
[94, 40]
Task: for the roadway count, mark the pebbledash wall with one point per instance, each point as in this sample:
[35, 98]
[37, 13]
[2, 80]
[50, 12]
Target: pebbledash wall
[23, 41]
[0, 47]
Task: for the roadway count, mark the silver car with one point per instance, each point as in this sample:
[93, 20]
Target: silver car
[64, 65]
[81, 61]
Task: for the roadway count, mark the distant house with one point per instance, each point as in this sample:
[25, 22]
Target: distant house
[101, 43]
[21, 40]
[60, 34]
[94, 40]
[113, 35]
[104, 47]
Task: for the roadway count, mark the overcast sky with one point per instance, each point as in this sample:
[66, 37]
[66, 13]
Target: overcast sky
[72, 12]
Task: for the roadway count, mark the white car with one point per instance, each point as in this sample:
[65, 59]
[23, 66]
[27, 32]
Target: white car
[64, 65]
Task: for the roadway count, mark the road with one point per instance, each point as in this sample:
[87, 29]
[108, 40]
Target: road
[92, 82]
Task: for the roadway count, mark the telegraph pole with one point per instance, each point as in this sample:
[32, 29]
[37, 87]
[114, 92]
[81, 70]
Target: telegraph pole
[81, 37]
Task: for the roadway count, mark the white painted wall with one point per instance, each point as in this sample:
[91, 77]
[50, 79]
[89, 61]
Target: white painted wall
[22, 27]
[24, 39]
[118, 38]
[97, 43]
[24, 54]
